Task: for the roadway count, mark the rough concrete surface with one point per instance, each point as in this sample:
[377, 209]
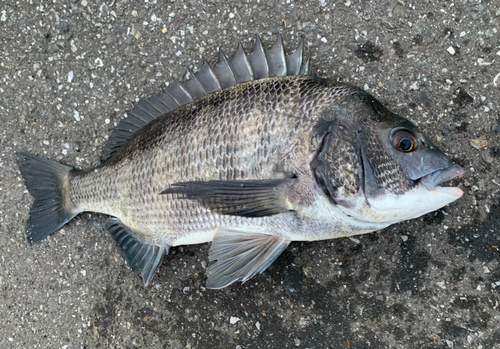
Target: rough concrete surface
[69, 70]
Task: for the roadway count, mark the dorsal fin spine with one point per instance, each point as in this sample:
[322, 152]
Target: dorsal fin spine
[223, 59]
[258, 60]
[170, 95]
[145, 110]
[193, 76]
[169, 101]
[214, 77]
[240, 62]
[294, 59]
[276, 58]
[181, 86]
[224, 72]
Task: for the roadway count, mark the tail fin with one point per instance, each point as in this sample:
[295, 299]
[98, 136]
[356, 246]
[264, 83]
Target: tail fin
[47, 181]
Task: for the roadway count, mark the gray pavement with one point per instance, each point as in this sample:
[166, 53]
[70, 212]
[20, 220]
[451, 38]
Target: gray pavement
[69, 70]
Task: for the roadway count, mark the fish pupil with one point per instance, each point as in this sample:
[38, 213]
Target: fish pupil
[406, 144]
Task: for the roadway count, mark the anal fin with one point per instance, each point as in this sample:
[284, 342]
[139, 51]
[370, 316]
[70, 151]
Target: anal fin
[240, 255]
[140, 256]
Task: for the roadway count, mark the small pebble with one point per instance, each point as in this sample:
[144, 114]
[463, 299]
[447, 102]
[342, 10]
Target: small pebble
[64, 27]
[496, 80]
[451, 50]
[446, 131]
[481, 61]
[234, 320]
[478, 143]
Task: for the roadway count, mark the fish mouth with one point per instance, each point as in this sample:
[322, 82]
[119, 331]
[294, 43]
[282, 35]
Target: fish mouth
[433, 180]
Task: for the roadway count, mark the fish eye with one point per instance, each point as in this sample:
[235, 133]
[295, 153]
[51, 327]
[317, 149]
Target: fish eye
[404, 141]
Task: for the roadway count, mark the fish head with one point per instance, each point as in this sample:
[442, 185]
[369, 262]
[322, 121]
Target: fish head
[396, 170]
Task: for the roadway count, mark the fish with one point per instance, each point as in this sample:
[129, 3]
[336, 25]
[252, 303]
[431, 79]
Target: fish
[250, 154]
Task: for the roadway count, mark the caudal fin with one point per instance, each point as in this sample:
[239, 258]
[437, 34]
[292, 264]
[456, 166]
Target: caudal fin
[47, 181]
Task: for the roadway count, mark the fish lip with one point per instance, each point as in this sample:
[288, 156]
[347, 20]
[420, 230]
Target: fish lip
[436, 178]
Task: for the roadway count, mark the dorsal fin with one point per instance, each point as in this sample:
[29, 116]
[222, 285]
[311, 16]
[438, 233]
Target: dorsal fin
[258, 64]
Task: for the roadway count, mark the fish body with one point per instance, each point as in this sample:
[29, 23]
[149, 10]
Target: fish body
[250, 155]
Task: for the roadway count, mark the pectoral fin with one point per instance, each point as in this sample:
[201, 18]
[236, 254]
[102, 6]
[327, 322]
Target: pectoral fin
[251, 198]
[240, 255]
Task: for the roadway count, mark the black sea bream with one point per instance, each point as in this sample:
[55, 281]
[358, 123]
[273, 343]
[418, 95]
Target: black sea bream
[249, 154]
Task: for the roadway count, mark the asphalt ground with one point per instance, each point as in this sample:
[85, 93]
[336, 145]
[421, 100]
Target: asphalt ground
[69, 70]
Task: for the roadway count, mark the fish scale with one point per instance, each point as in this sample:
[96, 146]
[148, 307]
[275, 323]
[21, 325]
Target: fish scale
[250, 154]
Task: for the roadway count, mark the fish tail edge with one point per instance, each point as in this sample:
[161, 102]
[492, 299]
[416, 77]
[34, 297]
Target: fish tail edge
[48, 182]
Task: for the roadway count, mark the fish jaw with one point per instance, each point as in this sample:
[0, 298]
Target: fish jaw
[393, 208]
[426, 195]
[434, 179]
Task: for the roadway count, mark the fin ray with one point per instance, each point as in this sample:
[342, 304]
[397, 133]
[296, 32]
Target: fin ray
[241, 66]
[224, 72]
[208, 79]
[249, 198]
[276, 58]
[258, 60]
[179, 93]
[240, 255]
[140, 256]
[294, 59]
[194, 86]
[46, 182]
